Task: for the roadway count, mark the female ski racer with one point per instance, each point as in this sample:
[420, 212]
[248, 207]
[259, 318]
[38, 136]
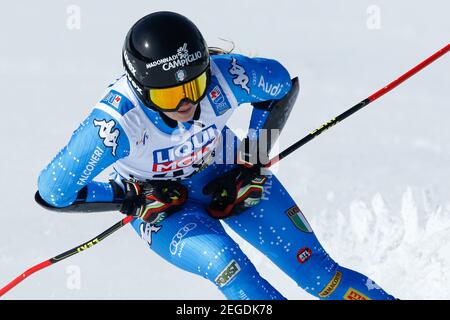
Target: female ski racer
[162, 127]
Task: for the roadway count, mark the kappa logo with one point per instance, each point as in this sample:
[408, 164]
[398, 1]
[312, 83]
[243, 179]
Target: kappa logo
[353, 294]
[372, 285]
[147, 229]
[107, 133]
[241, 78]
[332, 285]
[298, 219]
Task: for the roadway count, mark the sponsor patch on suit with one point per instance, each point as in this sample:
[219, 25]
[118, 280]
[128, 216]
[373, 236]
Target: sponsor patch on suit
[218, 100]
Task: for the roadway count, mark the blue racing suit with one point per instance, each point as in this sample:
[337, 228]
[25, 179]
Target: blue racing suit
[138, 143]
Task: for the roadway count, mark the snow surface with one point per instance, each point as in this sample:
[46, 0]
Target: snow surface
[374, 188]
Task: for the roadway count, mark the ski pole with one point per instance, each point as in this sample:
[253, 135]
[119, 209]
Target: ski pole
[358, 106]
[66, 254]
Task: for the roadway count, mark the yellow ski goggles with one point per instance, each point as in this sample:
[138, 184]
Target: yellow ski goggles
[170, 99]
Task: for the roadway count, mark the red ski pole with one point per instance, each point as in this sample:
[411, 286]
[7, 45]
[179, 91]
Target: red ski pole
[358, 106]
[274, 160]
[66, 254]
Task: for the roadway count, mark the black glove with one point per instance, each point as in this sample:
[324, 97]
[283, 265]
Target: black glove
[235, 191]
[153, 201]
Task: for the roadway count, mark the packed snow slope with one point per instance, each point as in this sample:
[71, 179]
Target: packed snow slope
[375, 188]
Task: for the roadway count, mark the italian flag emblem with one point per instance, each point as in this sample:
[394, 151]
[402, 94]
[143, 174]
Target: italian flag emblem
[298, 219]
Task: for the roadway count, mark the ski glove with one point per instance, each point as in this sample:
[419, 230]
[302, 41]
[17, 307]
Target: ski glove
[234, 191]
[153, 201]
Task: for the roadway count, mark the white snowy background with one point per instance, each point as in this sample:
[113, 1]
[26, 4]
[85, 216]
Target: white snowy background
[375, 188]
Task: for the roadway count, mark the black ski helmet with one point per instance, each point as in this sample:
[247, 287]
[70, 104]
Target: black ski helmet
[162, 50]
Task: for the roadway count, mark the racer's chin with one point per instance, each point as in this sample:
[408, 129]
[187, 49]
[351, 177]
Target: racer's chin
[184, 113]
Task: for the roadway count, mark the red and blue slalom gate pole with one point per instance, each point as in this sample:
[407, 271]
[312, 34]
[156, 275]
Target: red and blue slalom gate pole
[274, 160]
